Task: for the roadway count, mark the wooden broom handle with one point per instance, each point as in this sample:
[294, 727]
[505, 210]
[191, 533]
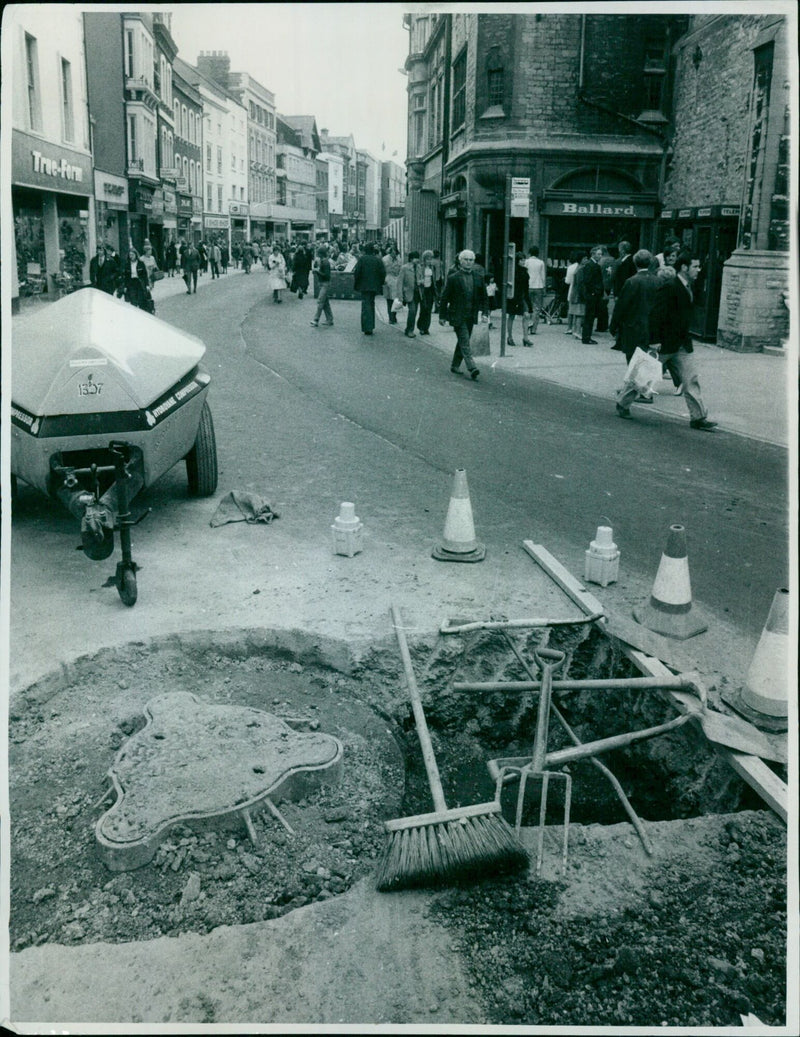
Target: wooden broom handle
[423, 734]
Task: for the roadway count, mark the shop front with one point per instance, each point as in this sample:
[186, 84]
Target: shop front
[155, 226]
[240, 222]
[184, 216]
[141, 212]
[111, 210]
[170, 216]
[51, 196]
[577, 222]
[708, 232]
[217, 229]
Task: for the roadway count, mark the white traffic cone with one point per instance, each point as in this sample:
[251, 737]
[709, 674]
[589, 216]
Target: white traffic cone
[764, 697]
[669, 610]
[458, 542]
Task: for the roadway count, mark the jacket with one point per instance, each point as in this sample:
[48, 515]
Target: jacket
[104, 277]
[190, 260]
[409, 281]
[671, 317]
[369, 274]
[590, 281]
[453, 305]
[630, 321]
[623, 269]
[134, 289]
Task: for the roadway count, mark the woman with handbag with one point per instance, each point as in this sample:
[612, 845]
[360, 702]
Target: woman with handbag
[276, 278]
[392, 265]
[150, 263]
[517, 305]
[134, 282]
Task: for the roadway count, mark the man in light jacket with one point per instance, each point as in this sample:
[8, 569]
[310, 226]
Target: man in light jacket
[408, 290]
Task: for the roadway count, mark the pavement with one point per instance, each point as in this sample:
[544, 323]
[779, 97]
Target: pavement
[749, 394]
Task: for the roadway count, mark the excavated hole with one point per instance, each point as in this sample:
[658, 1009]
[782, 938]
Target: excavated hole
[65, 731]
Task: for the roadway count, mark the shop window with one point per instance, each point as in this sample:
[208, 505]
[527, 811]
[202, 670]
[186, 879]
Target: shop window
[72, 239]
[29, 238]
[460, 90]
[32, 74]
[67, 117]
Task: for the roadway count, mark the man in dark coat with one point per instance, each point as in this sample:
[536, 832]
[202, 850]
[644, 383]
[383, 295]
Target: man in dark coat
[301, 268]
[190, 264]
[463, 298]
[369, 274]
[103, 271]
[624, 267]
[591, 289]
[630, 322]
[670, 321]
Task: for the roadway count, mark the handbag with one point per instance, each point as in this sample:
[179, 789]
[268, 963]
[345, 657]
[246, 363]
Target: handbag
[157, 274]
[397, 305]
[479, 339]
[644, 370]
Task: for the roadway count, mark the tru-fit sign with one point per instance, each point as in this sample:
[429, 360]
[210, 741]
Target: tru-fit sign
[56, 167]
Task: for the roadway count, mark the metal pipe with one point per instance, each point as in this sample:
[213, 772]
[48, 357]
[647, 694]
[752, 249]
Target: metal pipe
[687, 682]
[514, 624]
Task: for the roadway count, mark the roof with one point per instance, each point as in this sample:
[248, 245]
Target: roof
[196, 78]
[306, 126]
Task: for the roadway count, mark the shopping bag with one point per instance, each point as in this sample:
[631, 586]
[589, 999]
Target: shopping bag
[397, 305]
[157, 274]
[644, 370]
[479, 339]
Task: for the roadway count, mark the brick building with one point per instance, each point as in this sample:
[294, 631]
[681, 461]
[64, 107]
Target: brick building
[727, 185]
[577, 104]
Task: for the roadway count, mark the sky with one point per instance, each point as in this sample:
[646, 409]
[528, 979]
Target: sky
[337, 62]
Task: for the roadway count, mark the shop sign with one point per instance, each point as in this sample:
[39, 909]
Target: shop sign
[685, 214]
[170, 201]
[185, 207]
[216, 222]
[451, 213]
[729, 210]
[633, 210]
[158, 203]
[667, 214]
[238, 208]
[111, 190]
[181, 183]
[168, 172]
[704, 213]
[37, 163]
[144, 201]
[396, 211]
[520, 186]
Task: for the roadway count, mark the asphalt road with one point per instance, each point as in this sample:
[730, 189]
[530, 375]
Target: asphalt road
[543, 462]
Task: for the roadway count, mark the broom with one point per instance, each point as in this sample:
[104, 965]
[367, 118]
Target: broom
[432, 849]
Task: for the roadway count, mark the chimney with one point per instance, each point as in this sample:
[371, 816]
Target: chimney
[216, 65]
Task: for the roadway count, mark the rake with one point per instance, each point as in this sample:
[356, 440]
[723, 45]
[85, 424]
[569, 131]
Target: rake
[445, 845]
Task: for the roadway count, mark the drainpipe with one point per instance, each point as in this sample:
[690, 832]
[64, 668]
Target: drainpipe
[448, 41]
[583, 52]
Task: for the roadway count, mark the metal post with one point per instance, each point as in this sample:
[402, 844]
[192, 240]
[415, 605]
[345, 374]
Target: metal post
[504, 287]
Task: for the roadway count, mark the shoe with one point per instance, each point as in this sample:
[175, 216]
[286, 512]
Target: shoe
[409, 334]
[424, 333]
[367, 333]
[474, 373]
[454, 370]
[328, 323]
[703, 424]
[643, 399]
[591, 342]
[525, 342]
[314, 323]
[510, 341]
[678, 390]
[622, 412]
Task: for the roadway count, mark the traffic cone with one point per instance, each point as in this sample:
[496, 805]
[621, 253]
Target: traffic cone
[670, 611]
[764, 697]
[458, 541]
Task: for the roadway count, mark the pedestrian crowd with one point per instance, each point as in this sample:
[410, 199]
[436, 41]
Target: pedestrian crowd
[652, 296]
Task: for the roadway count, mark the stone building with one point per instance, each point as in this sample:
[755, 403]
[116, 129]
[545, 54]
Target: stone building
[298, 145]
[577, 105]
[188, 141]
[726, 193]
[393, 193]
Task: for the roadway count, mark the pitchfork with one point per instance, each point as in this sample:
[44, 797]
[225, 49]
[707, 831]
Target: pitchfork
[549, 660]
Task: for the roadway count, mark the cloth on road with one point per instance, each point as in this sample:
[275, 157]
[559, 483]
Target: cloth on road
[240, 506]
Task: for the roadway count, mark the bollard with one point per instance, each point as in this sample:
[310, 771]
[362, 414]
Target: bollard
[602, 558]
[347, 531]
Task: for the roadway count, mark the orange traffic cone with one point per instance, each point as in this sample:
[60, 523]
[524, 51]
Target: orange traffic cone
[458, 542]
[669, 610]
[764, 697]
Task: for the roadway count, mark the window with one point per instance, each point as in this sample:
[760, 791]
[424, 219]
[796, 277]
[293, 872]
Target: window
[209, 200]
[219, 197]
[32, 74]
[233, 159]
[129, 63]
[655, 70]
[186, 173]
[495, 83]
[184, 122]
[67, 121]
[459, 90]
[191, 176]
[177, 109]
[177, 164]
[208, 157]
[132, 150]
[219, 160]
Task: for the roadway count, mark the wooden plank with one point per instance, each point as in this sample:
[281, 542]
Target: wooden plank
[564, 578]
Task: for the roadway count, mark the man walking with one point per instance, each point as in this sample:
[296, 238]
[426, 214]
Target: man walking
[408, 290]
[630, 321]
[670, 319]
[103, 272]
[624, 267]
[215, 258]
[322, 272]
[536, 285]
[463, 298]
[369, 274]
[590, 287]
[190, 264]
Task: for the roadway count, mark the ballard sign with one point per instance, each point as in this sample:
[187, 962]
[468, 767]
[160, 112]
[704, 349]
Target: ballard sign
[564, 207]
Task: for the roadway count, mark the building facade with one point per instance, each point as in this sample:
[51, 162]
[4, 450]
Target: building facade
[261, 150]
[372, 195]
[164, 215]
[335, 178]
[575, 106]
[393, 193]
[298, 145]
[345, 148]
[141, 123]
[726, 193]
[322, 226]
[188, 155]
[52, 191]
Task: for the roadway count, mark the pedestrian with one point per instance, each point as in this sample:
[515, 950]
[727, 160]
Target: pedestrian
[537, 279]
[203, 253]
[149, 261]
[463, 299]
[630, 322]
[190, 264]
[171, 259]
[247, 256]
[517, 304]
[590, 288]
[369, 274]
[670, 321]
[256, 251]
[624, 267]
[427, 293]
[134, 282]
[438, 277]
[301, 268]
[215, 259]
[491, 297]
[236, 253]
[607, 269]
[224, 257]
[671, 245]
[276, 273]
[408, 285]
[322, 272]
[572, 293]
[392, 266]
[103, 272]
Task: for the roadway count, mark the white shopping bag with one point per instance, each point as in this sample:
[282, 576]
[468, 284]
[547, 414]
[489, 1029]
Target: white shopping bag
[644, 370]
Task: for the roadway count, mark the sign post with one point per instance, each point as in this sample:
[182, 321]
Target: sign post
[517, 204]
[504, 296]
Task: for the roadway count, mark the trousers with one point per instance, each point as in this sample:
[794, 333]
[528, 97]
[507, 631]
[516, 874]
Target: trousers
[462, 350]
[323, 306]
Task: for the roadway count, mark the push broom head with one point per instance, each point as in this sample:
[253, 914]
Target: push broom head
[449, 846]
